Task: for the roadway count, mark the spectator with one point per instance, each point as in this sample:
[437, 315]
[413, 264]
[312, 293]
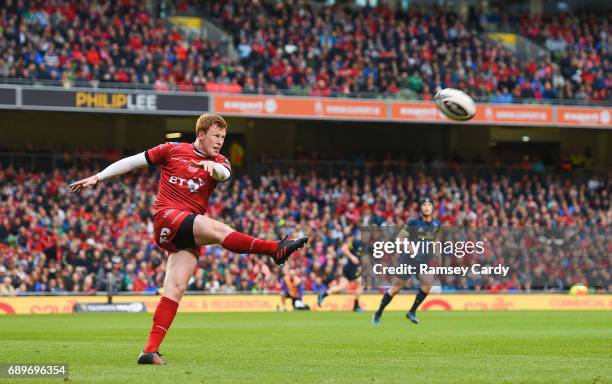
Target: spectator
[298, 48]
[72, 242]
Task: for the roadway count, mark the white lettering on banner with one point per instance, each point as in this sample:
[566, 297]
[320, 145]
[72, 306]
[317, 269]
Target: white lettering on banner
[352, 110]
[424, 112]
[244, 106]
[580, 117]
[524, 115]
[142, 102]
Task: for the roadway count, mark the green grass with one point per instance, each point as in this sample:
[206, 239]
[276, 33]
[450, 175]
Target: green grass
[324, 347]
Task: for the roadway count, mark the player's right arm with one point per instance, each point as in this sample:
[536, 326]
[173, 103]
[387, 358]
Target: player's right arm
[154, 156]
[115, 169]
[405, 231]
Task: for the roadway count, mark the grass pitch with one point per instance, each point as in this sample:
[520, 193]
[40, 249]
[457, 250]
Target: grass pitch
[322, 347]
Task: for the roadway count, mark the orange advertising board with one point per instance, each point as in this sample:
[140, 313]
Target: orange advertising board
[485, 113]
[189, 303]
[406, 111]
[591, 117]
[416, 111]
[270, 303]
[487, 302]
[514, 114]
[275, 106]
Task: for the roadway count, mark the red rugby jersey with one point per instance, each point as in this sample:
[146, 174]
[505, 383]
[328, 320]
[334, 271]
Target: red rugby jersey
[182, 185]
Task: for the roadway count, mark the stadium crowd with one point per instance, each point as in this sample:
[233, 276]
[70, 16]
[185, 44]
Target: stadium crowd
[339, 50]
[54, 241]
[298, 48]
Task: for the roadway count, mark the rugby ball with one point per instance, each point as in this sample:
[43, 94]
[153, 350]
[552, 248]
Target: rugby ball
[455, 104]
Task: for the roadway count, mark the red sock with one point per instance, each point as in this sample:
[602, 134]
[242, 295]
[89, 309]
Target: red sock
[241, 243]
[162, 320]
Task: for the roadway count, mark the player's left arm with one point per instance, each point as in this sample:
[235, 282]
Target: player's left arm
[346, 250]
[220, 169]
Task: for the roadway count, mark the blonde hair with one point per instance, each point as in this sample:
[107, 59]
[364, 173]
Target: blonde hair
[207, 120]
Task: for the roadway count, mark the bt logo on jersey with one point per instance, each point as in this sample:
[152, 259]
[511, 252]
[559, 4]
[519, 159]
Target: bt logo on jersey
[192, 184]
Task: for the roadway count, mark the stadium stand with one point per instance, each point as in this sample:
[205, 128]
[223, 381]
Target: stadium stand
[297, 48]
[54, 241]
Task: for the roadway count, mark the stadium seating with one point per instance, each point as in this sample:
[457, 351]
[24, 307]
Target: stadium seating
[52, 241]
[296, 48]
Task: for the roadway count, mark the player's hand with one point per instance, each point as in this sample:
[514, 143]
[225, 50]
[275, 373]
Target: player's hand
[206, 165]
[83, 183]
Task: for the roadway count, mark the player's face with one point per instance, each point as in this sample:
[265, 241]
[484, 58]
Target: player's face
[212, 141]
[427, 208]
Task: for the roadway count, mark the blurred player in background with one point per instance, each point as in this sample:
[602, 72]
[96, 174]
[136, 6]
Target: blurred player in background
[423, 228]
[189, 174]
[351, 272]
[292, 288]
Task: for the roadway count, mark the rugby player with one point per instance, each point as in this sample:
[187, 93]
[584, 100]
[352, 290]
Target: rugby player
[189, 174]
[424, 228]
[351, 272]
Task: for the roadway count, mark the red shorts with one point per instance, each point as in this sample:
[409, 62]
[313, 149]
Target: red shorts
[166, 225]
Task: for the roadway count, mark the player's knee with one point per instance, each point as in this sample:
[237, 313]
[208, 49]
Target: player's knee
[175, 291]
[394, 290]
[221, 231]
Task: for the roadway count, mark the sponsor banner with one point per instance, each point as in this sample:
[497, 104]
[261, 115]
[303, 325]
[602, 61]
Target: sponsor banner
[148, 102]
[485, 114]
[487, 302]
[590, 117]
[417, 111]
[105, 307]
[300, 107]
[514, 114]
[270, 303]
[189, 303]
[113, 101]
[8, 96]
